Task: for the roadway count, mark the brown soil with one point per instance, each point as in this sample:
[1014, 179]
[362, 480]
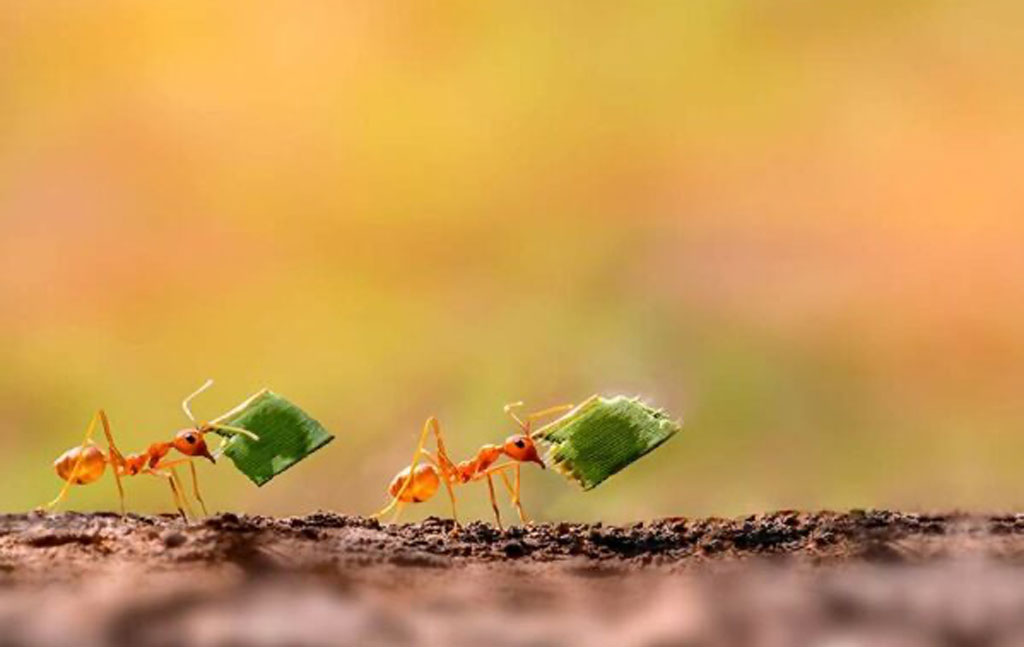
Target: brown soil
[879, 578]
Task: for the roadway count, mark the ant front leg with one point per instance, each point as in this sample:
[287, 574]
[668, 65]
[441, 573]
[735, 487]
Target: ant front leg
[527, 422]
[516, 501]
[181, 490]
[174, 491]
[195, 488]
[511, 486]
[165, 465]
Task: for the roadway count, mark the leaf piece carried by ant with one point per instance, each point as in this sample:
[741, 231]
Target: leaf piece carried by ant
[287, 434]
[602, 436]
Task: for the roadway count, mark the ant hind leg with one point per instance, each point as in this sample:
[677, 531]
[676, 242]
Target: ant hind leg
[85, 443]
[526, 423]
[412, 468]
[443, 462]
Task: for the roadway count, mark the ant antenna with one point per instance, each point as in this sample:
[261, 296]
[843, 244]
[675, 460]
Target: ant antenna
[185, 403]
[509, 410]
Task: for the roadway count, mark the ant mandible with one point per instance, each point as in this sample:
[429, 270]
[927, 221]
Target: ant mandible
[427, 477]
[86, 463]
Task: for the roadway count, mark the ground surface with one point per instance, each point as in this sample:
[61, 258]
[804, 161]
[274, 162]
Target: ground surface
[871, 578]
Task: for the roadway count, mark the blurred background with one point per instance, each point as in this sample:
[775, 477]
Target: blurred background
[796, 225]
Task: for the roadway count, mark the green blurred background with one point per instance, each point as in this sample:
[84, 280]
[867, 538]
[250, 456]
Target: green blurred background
[795, 224]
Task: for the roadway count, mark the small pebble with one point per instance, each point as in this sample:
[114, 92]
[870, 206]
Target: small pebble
[515, 549]
[174, 539]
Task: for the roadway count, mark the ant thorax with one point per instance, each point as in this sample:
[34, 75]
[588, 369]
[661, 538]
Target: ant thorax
[485, 457]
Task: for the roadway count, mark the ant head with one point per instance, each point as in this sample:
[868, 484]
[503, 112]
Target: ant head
[521, 448]
[190, 442]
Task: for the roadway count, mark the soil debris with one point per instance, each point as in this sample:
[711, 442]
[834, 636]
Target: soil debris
[863, 577]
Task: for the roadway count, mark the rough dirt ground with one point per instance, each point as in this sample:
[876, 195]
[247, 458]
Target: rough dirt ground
[858, 578]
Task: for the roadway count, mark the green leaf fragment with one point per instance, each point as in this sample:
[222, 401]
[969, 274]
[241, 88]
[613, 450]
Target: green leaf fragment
[287, 434]
[602, 436]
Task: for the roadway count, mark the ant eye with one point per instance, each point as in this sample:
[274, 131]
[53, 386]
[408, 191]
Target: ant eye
[190, 439]
[520, 444]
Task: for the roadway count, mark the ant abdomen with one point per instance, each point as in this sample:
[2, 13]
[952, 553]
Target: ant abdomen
[90, 461]
[425, 481]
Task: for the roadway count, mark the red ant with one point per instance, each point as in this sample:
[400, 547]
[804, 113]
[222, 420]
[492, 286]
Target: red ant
[427, 477]
[86, 463]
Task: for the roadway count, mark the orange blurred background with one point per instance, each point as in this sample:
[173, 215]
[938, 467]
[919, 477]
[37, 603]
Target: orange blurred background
[797, 225]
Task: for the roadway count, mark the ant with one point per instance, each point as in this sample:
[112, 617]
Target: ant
[86, 463]
[427, 477]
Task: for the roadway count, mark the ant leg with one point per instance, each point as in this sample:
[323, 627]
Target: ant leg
[181, 490]
[60, 497]
[174, 491]
[221, 448]
[112, 446]
[550, 411]
[449, 485]
[508, 483]
[516, 501]
[170, 465]
[165, 464]
[412, 468]
[431, 425]
[513, 488]
[494, 502]
[166, 469]
[237, 431]
[451, 497]
[398, 511]
[544, 413]
[441, 462]
[74, 471]
[400, 505]
[525, 423]
[177, 498]
[445, 467]
[120, 488]
[114, 456]
[513, 493]
[195, 488]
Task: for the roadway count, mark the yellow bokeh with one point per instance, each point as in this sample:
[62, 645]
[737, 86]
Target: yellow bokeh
[794, 224]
